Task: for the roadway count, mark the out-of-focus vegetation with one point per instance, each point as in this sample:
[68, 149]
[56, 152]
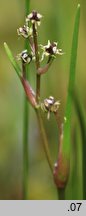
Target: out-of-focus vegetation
[57, 25]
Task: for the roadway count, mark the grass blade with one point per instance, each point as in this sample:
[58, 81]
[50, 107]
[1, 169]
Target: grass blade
[62, 169]
[82, 120]
[12, 60]
[26, 125]
[67, 125]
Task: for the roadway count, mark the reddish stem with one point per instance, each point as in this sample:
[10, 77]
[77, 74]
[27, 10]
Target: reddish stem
[29, 92]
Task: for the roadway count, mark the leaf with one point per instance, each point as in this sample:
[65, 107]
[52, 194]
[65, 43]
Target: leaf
[82, 121]
[67, 125]
[26, 125]
[12, 60]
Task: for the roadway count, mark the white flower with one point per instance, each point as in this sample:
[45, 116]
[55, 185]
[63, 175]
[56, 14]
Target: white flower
[34, 17]
[24, 31]
[25, 57]
[51, 50]
[50, 105]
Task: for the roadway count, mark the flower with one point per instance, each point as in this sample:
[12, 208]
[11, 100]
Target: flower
[24, 31]
[50, 105]
[25, 57]
[34, 17]
[51, 50]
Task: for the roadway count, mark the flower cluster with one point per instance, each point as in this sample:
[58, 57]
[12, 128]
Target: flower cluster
[27, 31]
[38, 53]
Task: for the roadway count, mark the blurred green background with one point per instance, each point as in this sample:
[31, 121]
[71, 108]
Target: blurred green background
[57, 25]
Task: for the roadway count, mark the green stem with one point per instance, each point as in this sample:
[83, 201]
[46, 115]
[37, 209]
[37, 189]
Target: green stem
[82, 120]
[27, 6]
[44, 138]
[68, 112]
[60, 130]
[61, 194]
[38, 113]
[25, 128]
[37, 87]
[25, 150]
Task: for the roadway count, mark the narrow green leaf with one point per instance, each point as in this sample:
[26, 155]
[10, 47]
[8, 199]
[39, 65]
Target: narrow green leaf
[82, 121]
[67, 125]
[26, 125]
[27, 7]
[12, 60]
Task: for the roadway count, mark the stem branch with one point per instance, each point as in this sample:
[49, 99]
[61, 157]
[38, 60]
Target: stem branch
[44, 138]
[60, 129]
[37, 62]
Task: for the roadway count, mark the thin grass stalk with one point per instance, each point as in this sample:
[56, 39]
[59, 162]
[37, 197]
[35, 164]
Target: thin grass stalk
[64, 155]
[67, 127]
[12, 60]
[82, 121]
[44, 139]
[61, 194]
[26, 126]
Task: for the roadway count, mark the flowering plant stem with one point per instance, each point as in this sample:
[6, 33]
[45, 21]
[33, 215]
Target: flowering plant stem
[37, 62]
[44, 139]
[38, 113]
[25, 150]
[61, 194]
[25, 128]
